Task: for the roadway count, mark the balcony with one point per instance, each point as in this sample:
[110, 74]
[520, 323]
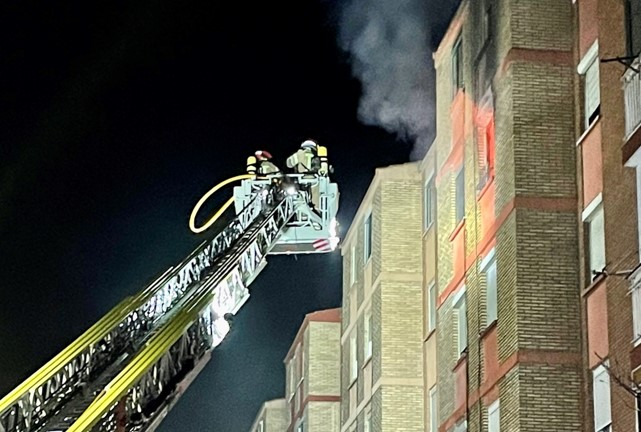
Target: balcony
[632, 93]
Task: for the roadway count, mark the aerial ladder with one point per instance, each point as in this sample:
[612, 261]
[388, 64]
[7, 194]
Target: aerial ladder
[128, 370]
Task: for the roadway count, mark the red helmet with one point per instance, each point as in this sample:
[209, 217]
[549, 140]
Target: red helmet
[263, 155]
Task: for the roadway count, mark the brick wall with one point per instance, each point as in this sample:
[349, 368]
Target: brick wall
[390, 285]
[619, 207]
[532, 226]
[323, 416]
[273, 415]
[402, 409]
[323, 364]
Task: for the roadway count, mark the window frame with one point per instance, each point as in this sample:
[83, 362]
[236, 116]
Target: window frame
[590, 214]
[353, 266]
[367, 238]
[589, 68]
[367, 335]
[598, 373]
[353, 357]
[460, 304]
[494, 410]
[632, 21]
[458, 82]
[433, 401]
[485, 128]
[291, 385]
[488, 266]
[367, 421]
[429, 201]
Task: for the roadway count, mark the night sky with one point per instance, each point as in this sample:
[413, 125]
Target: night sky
[115, 118]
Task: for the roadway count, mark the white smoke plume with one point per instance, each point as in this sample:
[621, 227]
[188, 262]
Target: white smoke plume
[388, 44]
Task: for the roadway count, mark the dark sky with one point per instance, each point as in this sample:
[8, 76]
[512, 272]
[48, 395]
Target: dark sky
[115, 118]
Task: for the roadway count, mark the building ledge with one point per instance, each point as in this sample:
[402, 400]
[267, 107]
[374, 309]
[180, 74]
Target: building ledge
[457, 230]
[594, 285]
[429, 334]
[461, 361]
[588, 131]
[631, 146]
[488, 329]
[485, 187]
[367, 362]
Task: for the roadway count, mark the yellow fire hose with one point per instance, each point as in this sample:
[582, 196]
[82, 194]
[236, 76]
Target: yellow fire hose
[221, 210]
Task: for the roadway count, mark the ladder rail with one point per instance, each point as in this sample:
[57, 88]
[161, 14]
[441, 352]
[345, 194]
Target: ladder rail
[44, 392]
[152, 369]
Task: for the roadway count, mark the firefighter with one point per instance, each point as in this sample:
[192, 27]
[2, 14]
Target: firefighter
[305, 160]
[265, 166]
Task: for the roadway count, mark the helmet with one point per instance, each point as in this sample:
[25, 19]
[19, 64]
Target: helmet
[263, 155]
[308, 144]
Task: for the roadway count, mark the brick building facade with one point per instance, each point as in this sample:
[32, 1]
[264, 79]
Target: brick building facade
[607, 45]
[313, 366]
[272, 417]
[508, 309]
[495, 285]
[312, 380]
[382, 382]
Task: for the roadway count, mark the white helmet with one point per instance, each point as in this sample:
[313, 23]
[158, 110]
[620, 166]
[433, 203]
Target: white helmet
[308, 144]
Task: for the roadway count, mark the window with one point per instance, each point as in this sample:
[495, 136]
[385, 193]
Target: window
[461, 427]
[589, 68]
[352, 271]
[457, 67]
[429, 195]
[367, 242]
[353, 358]
[494, 418]
[291, 378]
[302, 363]
[485, 137]
[486, 23]
[301, 426]
[595, 238]
[367, 335]
[433, 409]
[460, 195]
[367, 423]
[636, 308]
[261, 426]
[635, 278]
[633, 27]
[601, 389]
[638, 407]
[431, 307]
[461, 322]
[299, 365]
[488, 266]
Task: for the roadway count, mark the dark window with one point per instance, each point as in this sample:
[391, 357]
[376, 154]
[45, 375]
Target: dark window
[486, 25]
[633, 27]
[457, 67]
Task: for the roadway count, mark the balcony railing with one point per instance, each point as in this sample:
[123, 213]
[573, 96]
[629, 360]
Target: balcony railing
[632, 92]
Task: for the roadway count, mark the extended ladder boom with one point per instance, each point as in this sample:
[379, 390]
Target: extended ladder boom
[127, 371]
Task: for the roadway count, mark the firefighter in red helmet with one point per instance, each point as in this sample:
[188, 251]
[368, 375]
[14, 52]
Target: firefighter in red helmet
[265, 166]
